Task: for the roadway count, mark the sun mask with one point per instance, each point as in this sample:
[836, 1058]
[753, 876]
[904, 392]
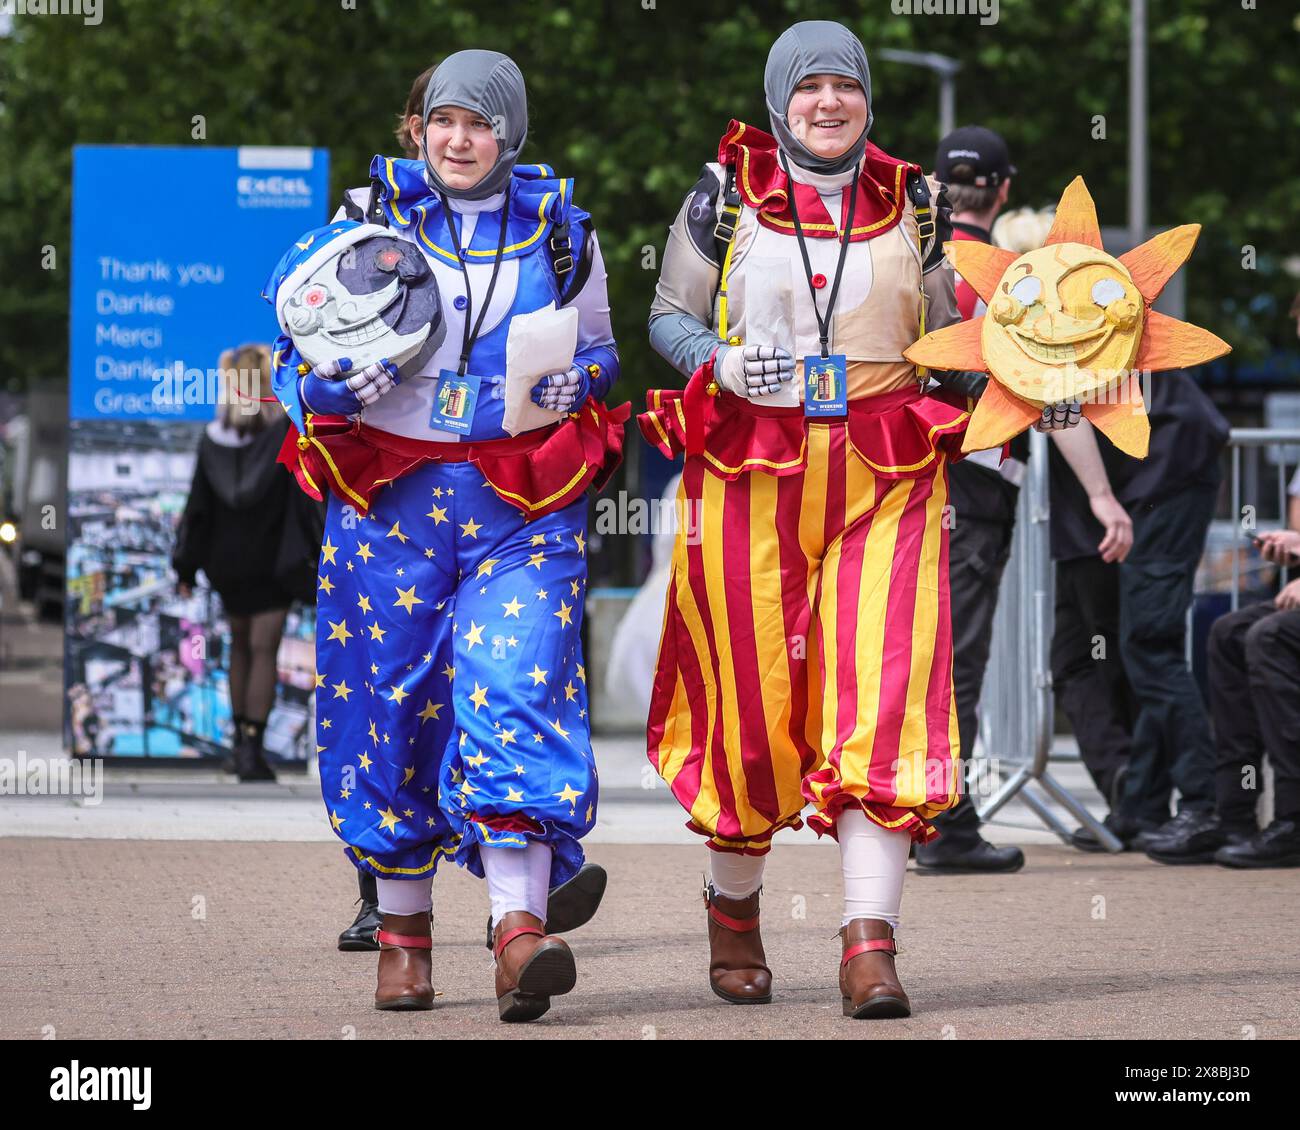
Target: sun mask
[1067, 321]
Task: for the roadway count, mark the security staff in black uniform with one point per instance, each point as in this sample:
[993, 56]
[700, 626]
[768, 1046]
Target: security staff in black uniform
[974, 164]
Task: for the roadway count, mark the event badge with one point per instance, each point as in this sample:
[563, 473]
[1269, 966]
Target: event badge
[454, 397]
[825, 391]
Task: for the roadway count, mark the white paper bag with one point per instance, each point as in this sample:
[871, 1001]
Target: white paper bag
[769, 320]
[539, 343]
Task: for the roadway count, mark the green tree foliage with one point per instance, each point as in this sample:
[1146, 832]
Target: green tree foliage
[630, 97]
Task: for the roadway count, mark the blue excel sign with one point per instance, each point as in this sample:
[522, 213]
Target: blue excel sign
[170, 248]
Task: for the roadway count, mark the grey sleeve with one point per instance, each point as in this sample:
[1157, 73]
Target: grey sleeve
[681, 315]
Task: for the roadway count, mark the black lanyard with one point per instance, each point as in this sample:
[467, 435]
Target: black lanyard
[823, 324]
[470, 337]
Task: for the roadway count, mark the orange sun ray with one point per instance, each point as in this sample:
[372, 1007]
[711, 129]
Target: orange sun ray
[1124, 420]
[1168, 343]
[953, 347]
[1153, 263]
[998, 416]
[1076, 217]
[981, 264]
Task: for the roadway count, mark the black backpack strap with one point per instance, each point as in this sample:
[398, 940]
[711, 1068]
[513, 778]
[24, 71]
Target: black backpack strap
[724, 231]
[375, 213]
[933, 219]
[581, 269]
[560, 248]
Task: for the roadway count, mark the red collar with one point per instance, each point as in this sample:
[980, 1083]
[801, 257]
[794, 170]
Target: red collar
[763, 185]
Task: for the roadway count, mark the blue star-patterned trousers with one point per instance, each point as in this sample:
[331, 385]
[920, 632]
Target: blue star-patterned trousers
[451, 696]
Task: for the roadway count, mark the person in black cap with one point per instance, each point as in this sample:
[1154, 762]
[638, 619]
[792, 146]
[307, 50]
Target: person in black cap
[974, 165]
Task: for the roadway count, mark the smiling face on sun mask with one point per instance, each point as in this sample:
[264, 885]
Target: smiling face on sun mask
[375, 299]
[1066, 321]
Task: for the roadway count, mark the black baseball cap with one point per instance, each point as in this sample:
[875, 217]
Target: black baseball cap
[973, 155]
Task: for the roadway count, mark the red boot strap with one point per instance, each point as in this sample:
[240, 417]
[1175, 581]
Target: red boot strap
[738, 925]
[406, 941]
[511, 935]
[886, 944]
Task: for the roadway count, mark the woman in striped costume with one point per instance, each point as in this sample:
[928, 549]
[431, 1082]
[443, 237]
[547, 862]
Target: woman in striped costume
[806, 653]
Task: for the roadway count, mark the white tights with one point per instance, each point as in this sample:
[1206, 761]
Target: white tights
[517, 879]
[873, 861]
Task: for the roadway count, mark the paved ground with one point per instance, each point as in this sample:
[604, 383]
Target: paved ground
[179, 904]
[187, 939]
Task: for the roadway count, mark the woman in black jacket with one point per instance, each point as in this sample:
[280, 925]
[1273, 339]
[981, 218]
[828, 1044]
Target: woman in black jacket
[255, 536]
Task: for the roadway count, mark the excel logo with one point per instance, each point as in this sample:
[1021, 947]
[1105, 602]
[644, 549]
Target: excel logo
[275, 191]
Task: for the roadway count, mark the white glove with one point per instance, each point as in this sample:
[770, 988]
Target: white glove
[754, 370]
[1058, 417]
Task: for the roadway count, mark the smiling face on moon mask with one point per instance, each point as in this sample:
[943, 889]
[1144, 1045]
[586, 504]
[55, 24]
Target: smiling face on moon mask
[375, 299]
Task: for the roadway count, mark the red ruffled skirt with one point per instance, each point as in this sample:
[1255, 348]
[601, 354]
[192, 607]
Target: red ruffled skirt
[895, 434]
[538, 471]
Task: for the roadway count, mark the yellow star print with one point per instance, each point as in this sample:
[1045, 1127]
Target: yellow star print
[430, 711]
[563, 614]
[363, 602]
[538, 675]
[485, 568]
[512, 609]
[407, 599]
[506, 737]
[514, 794]
[398, 694]
[537, 539]
[407, 774]
[365, 762]
[536, 559]
[336, 819]
[476, 760]
[570, 795]
[449, 671]
[320, 680]
[339, 632]
[438, 514]
[470, 529]
[388, 820]
[582, 545]
[364, 551]
[569, 691]
[396, 532]
[474, 635]
[342, 690]
[479, 697]
[559, 729]
[327, 552]
[376, 632]
[327, 586]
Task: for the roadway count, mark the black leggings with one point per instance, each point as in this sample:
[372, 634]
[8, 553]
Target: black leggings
[254, 644]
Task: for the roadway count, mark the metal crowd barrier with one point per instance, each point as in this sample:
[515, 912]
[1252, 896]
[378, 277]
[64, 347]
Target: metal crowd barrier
[1017, 709]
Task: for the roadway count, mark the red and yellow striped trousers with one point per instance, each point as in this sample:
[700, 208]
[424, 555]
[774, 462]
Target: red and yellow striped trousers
[806, 655]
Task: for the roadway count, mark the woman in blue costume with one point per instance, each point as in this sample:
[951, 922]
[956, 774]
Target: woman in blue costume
[451, 693]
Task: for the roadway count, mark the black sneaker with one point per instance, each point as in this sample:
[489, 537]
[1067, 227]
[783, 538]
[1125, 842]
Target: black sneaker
[1278, 845]
[968, 858]
[1191, 837]
[1124, 829]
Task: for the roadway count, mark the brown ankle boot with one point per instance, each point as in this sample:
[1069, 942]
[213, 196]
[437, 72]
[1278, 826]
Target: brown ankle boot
[738, 970]
[868, 981]
[532, 967]
[405, 962]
